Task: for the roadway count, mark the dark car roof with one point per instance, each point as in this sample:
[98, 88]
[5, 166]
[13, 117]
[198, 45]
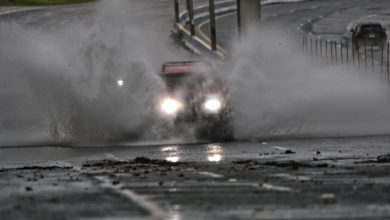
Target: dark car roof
[370, 24]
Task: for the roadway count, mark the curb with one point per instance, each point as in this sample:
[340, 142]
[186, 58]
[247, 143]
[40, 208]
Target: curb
[195, 43]
[17, 10]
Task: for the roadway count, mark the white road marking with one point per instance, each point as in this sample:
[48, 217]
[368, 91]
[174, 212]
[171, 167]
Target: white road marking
[280, 148]
[271, 187]
[214, 175]
[143, 201]
[155, 211]
[292, 177]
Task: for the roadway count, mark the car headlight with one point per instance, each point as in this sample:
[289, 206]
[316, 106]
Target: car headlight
[213, 105]
[120, 82]
[170, 106]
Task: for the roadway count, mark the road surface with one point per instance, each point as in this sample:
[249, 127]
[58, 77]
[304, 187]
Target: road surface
[287, 179]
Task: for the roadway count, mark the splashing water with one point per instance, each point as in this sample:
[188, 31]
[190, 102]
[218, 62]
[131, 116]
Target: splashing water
[63, 86]
[276, 91]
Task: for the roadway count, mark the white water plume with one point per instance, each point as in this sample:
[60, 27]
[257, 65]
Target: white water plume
[277, 91]
[63, 85]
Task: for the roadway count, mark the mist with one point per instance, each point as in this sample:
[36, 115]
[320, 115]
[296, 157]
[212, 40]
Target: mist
[276, 91]
[63, 85]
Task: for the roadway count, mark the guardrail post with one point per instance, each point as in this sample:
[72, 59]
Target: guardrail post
[190, 9]
[358, 53]
[388, 61]
[321, 50]
[239, 17]
[353, 53]
[365, 55]
[335, 52]
[347, 45]
[331, 52]
[341, 52]
[212, 26]
[372, 55]
[176, 2]
[311, 48]
[307, 47]
[326, 51]
[382, 54]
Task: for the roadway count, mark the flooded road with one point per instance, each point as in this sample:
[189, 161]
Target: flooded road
[332, 178]
[358, 148]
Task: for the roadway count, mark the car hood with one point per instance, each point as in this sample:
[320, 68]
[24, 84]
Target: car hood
[188, 94]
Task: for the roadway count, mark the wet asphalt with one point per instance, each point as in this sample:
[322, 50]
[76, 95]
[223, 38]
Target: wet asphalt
[318, 178]
[290, 178]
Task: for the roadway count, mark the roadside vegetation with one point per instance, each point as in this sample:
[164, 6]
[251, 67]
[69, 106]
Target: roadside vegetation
[39, 2]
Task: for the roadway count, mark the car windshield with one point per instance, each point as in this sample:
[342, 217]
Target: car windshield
[371, 28]
[184, 81]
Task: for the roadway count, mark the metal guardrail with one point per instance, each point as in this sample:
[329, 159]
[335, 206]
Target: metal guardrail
[364, 54]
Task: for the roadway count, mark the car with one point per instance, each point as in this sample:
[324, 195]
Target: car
[369, 33]
[195, 96]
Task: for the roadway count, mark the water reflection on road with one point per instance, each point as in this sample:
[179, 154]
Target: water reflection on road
[200, 152]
